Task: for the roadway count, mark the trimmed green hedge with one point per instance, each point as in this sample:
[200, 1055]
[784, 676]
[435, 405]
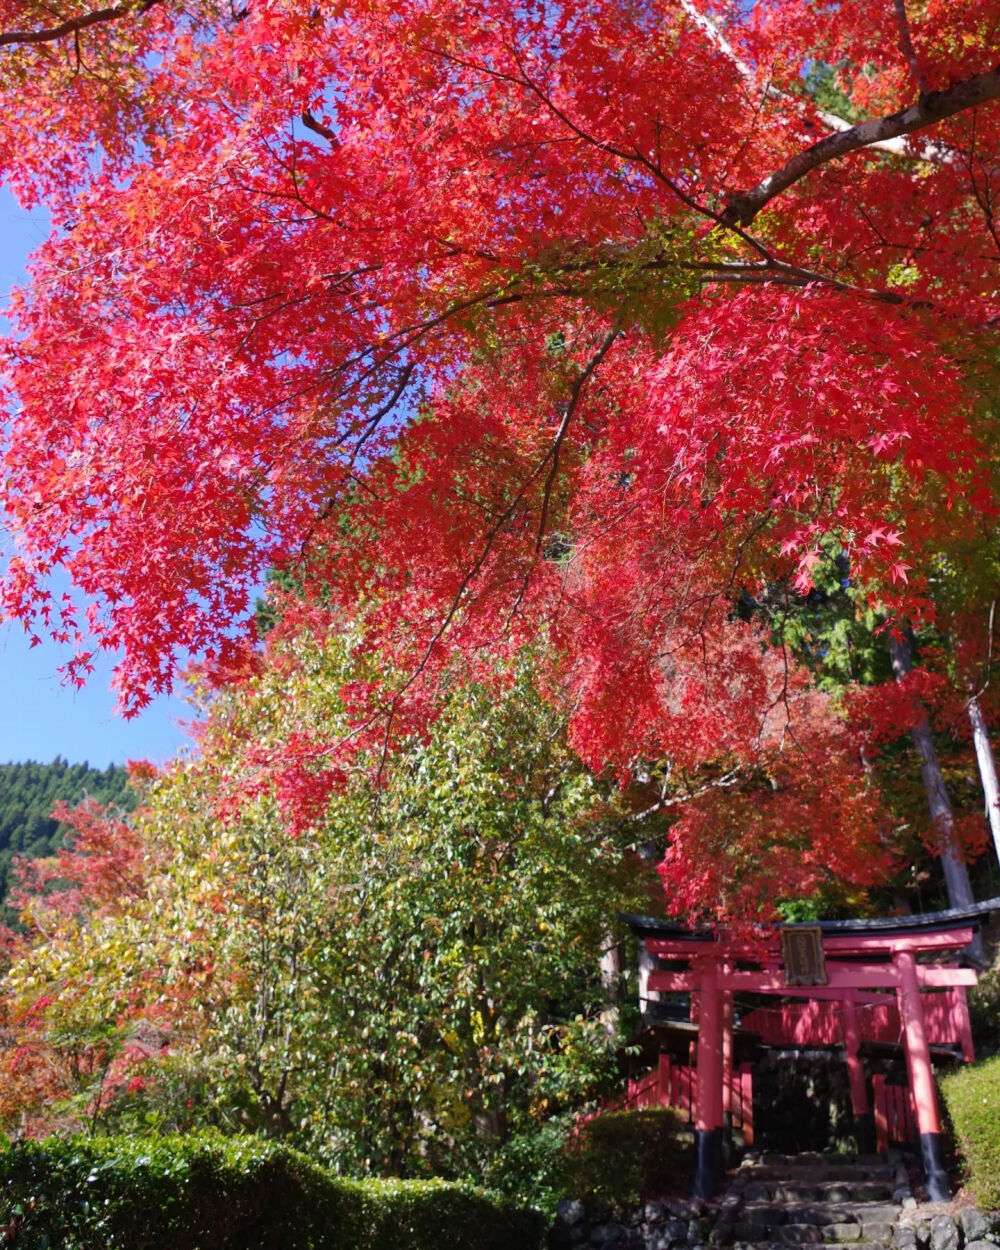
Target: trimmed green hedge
[208, 1193]
[972, 1098]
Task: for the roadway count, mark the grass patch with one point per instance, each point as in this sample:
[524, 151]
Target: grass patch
[972, 1098]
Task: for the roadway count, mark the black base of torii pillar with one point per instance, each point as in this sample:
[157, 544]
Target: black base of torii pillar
[709, 1163]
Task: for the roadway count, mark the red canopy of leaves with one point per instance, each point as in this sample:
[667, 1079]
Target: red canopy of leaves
[503, 317]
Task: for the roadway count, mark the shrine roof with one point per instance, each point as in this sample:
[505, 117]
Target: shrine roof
[933, 921]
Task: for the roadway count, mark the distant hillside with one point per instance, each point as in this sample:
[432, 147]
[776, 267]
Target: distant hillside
[27, 793]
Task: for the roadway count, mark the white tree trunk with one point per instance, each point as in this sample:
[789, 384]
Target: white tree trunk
[611, 984]
[956, 875]
[987, 769]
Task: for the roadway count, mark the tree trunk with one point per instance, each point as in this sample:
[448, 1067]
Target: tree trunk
[956, 875]
[611, 984]
[987, 769]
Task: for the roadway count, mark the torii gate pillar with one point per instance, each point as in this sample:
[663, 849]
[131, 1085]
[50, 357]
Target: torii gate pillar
[864, 1121]
[918, 1061]
[708, 1113]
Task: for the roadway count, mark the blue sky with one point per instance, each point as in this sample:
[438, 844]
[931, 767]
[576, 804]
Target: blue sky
[40, 717]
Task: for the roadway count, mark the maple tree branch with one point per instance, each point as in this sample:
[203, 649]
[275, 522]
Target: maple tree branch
[724, 782]
[473, 571]
[932, 107]
[780, 273]
[906, 46]
[73, 25]
[571, 406]
[317, 127]
[369, 427]
[932, 152]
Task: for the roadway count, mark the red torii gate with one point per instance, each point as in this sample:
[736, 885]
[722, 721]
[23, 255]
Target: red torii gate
[843, 961]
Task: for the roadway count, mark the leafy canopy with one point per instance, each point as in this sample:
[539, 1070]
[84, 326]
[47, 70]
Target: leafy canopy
[399, 972]
[509, 318]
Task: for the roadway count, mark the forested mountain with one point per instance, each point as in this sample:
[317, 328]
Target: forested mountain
[27, 794]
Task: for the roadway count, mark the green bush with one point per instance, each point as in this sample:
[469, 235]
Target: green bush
[210, 1193]
[533, 1167]
[984, 1007]
[435, 1215]
[625, 1156]
[972, 1098]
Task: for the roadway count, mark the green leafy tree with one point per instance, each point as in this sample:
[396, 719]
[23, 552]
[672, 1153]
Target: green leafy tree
[398, 973]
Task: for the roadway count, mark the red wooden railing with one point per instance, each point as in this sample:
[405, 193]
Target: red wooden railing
[818, 1023]
[676, 1085]
[895, 1113]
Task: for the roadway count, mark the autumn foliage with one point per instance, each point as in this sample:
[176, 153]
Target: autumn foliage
[487, 322]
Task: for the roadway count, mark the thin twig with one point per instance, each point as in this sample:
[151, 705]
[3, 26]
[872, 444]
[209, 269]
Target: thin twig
[74, 25]
[906, 46]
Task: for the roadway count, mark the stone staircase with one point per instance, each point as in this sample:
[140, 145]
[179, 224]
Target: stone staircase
[777, 1201]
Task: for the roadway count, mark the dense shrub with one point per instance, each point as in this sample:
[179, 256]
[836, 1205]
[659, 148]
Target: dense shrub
[623, 1156]
[984, 1008]
[214, 1194]
[533, 1167]
[972, 1097]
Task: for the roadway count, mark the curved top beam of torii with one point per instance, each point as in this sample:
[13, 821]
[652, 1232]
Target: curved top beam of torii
[953, 918]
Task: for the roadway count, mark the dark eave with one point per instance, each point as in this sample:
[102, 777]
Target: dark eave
[934, 921]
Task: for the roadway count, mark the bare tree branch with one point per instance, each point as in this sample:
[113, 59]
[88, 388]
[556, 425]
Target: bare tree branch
[574, 398]
[319, 128]
[73, 25]
[933, 107]
[932, 152]
[906, 46]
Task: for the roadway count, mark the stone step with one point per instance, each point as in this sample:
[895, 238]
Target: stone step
[863, 1164]
[837, 1192]
[819, 1245]
[799, 1235]
[741, 1243]
[773, 1214]
[850, 1173]
[886, 1179]
[802, 1233]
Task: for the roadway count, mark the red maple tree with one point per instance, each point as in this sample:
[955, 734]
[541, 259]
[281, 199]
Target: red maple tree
[503, 318]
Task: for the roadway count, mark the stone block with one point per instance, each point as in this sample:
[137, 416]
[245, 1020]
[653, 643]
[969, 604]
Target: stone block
[975, 1225]
[841, 1232]
[904, 1237]
[570, 1211]
[797, 1193]
[765, 1215]
[879, 1213]
[798, 1235]
[877, 1231]
[944, 1233]
[871, 1193]
[685, 1208]
[757, 1193]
